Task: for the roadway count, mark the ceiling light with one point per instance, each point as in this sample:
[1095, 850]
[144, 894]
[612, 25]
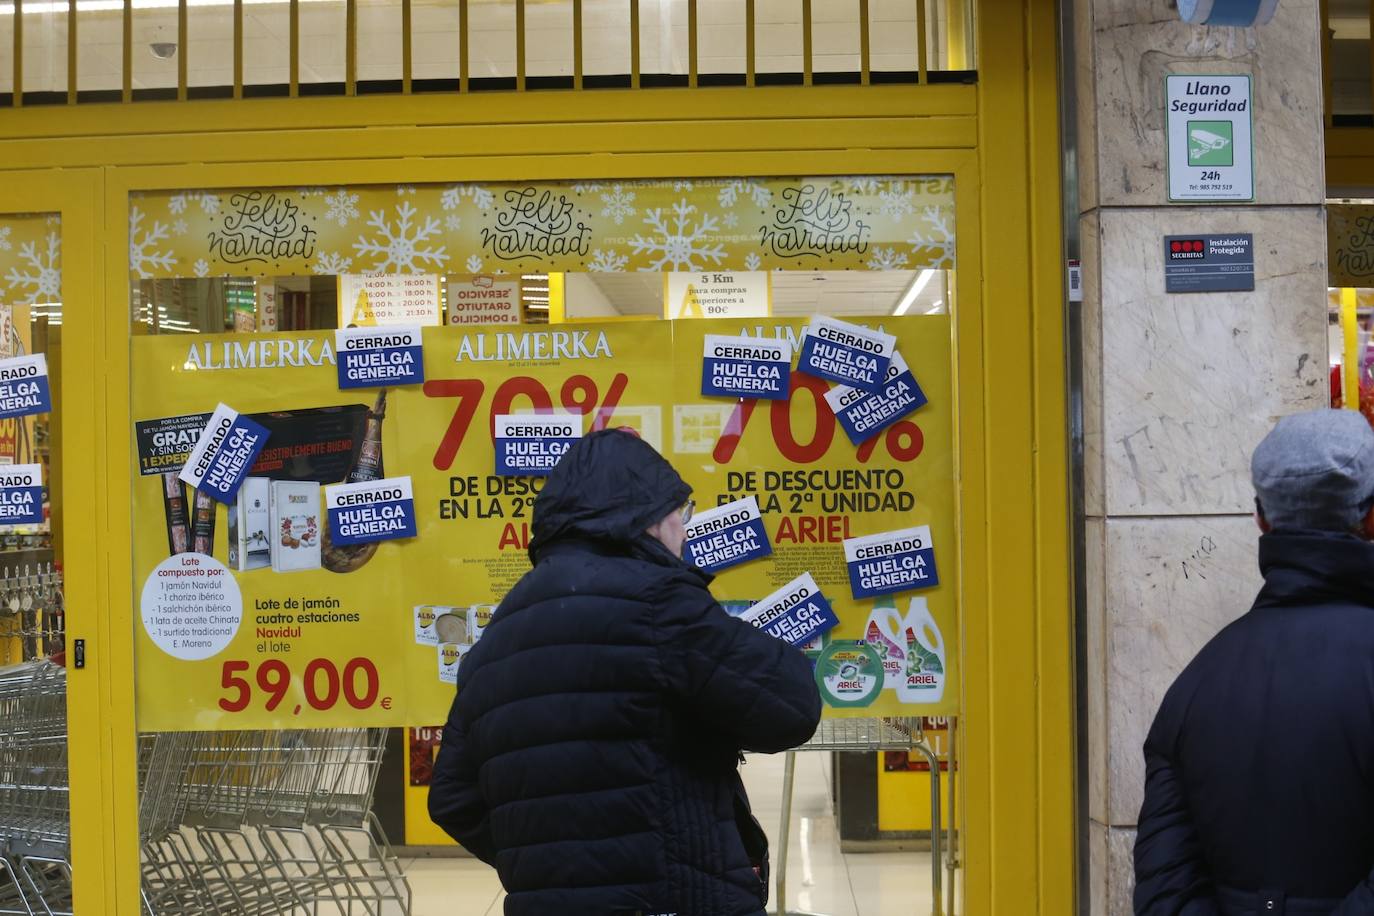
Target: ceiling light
[936, 308]
[914, 290]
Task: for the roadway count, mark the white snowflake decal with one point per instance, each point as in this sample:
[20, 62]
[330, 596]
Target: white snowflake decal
[454, 195]
[619, 204]
[312, 192]
[404, 189]
[731, 220]
[682, 185]
[202, 268]
[731, 192]
[474, 263]
[143, 258]
[400, 246]
[5, 244]
[607, 262]
[887, 259]
[180, 227]
[329, 263]
[752, 261]
[864, 185]
[587, 187]
[342, 207]
[43, 281]
[682, 242]
[209, 203]
[938, 242]
[453, 222]
[897, 203]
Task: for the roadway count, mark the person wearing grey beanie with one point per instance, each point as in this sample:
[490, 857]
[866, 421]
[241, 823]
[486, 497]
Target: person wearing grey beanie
[1259, 787]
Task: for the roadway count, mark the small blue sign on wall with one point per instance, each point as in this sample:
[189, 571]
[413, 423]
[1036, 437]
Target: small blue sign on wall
[1209, 263]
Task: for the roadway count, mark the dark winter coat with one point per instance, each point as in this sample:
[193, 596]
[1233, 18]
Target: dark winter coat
[1259, 787]
[591, 755]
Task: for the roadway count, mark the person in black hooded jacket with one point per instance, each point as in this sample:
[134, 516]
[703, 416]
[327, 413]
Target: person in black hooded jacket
[1259, 786]
[592, 752]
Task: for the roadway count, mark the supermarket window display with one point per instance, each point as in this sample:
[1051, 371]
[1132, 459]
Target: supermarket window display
[345, 399]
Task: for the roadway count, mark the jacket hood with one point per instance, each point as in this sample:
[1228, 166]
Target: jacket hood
[1315, 567]
[608, 489]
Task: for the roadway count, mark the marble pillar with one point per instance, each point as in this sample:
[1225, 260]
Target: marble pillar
[1178, 389]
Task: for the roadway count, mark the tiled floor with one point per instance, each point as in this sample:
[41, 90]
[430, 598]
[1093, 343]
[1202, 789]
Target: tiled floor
[820, 879]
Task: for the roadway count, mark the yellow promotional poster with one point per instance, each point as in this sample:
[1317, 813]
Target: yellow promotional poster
[815, 488]
[661, 225]
[252, 617]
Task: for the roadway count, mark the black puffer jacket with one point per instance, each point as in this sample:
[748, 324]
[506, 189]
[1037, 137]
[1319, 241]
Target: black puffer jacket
[1259, 787]
[591, 755]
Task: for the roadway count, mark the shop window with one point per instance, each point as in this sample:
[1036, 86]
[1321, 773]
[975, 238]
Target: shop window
[435, 44]
[554, 295]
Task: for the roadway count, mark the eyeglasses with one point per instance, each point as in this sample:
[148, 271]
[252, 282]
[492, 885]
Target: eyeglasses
[687, 511]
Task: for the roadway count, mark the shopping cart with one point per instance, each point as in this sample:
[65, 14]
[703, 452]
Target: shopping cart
[35, 867]
[275, 822]
[249, 823]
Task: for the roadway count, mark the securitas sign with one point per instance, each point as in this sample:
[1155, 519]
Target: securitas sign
[529, 445]
[846, 353]
[223, 454]
[375, 510]
[895, 561]
[864, 413]
[379, 357]
[21, 494]
[24, 386]
[743, 367]
[1209, 263]
[794, 613]
[727, 535]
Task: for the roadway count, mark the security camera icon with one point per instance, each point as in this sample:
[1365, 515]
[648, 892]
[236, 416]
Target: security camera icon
[1204, 142]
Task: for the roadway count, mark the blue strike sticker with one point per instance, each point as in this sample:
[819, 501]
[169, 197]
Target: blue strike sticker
[24, 388]
[529, 445]
[21, 494]
[863, 413]
[727, 536]
[224, 454]
[795, 613]
[846, 353]
[895, 561]
[744, 367]
[379, 357]
[375, 510]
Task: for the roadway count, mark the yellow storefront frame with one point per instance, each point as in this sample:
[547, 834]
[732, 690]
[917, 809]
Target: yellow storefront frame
[999, 139]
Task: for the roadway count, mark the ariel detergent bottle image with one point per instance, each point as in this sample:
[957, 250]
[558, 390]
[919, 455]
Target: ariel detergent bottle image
[883, 633]
[923, 674]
